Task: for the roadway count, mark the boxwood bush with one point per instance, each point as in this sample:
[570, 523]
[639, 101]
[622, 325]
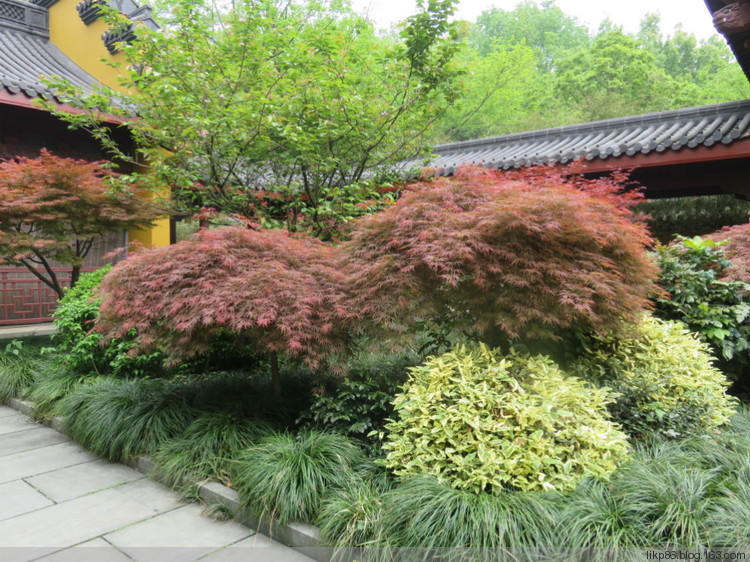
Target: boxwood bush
[664, 378]
[486, 422]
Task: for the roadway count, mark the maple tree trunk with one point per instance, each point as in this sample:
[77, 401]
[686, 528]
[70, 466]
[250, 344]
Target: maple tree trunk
[494, 337]
[275, 375]
[75, 274]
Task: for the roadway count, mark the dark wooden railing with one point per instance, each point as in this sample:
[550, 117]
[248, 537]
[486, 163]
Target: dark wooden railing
[24, 299]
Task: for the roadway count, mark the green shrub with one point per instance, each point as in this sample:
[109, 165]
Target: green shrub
[121, 419]
[285, 476]
[246, 394]
[664, 379]
[74, 319]
[81, 348]
[693, 275]
[484, 422]
[206, 447]
[423, 512]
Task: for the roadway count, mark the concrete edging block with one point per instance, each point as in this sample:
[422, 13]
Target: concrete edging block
[58, 424]
[23, 406]
[144, 465]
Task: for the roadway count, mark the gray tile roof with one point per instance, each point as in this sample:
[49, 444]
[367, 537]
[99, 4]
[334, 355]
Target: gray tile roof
[641, 134]
[28, 54]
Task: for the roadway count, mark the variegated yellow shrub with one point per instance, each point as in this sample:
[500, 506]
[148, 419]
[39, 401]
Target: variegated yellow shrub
[487, 422]
[663, 378]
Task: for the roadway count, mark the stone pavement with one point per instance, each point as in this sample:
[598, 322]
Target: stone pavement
[60, 503]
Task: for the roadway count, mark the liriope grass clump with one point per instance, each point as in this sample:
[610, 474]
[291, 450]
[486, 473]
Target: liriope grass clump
[50, 388]
[20, 367]
[594, 516]
[663, 377]
[728, 520]
[426, 513]
[672, 500]
[205, 449]
[121, 419]
[487, 422]
[688, 493]
[285, 476]
[350, 516]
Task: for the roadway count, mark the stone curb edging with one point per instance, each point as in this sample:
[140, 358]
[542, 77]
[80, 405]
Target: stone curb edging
[299, 536]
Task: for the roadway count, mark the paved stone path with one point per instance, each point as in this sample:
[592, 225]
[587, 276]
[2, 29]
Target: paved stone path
[62, 504]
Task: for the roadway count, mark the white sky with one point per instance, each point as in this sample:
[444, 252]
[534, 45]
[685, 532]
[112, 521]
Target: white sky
[692, 14]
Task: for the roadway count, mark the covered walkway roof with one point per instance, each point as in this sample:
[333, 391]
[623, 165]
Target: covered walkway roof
[694, 151]
[697, 134]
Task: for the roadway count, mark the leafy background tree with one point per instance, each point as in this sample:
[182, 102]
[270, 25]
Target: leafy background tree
[579, 75]
[290, 114]
[274, 109]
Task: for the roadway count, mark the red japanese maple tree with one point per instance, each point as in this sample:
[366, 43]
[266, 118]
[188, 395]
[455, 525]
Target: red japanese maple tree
[283, 293]
[736, 250]
[53, 210]
[526, 253]
[528, 256]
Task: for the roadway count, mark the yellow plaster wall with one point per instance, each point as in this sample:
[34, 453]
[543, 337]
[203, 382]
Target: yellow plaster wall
[83, 44]
[156, 236]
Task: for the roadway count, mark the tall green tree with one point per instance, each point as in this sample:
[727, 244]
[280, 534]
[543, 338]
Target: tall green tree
[581, 76]
[543, 27]
[706, 65]
[276, 110]
[615, 78]
[496, 89]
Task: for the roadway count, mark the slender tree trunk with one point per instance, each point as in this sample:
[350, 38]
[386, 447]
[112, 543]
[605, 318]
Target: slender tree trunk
[275, 375]
[75, 274]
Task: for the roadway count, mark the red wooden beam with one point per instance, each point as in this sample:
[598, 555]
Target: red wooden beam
[22, 100]
[733, 18]
[737, 149]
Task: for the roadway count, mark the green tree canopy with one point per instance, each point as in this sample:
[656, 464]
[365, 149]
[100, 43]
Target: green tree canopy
[543, 27]
[271, 110]
[581, 75]
[615, 77]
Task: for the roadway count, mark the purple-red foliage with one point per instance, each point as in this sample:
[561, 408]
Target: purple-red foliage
[530, 254]
[54, 209]
[736, 250]
[283, 292]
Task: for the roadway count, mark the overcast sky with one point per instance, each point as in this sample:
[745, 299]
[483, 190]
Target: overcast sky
[692, 14]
